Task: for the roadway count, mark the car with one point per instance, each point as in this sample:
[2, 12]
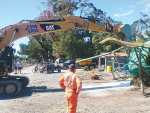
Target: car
[53, 67]
[67, 63]
[60, 62]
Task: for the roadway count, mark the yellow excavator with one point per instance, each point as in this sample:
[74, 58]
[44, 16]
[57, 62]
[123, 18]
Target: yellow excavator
[10, 85]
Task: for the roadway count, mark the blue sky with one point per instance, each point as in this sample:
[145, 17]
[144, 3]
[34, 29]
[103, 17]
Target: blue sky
[126, 11]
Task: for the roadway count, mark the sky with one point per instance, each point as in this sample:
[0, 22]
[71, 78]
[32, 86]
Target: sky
[126, 11]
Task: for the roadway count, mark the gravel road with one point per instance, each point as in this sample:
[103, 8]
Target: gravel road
[44, 95]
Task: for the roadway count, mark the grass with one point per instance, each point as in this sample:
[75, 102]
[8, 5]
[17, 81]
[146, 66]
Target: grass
[80, 73]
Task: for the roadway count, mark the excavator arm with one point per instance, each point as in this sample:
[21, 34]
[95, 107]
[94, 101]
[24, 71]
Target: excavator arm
[16, 31]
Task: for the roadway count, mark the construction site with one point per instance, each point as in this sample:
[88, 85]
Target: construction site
[90, 63]
[104, 95]
[107, 88]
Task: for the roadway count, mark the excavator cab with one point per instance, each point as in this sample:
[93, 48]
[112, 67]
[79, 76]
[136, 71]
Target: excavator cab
[6, 61]
[10, 60]
[2, 68]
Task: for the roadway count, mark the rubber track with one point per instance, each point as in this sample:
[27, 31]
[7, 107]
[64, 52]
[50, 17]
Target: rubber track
[16, 82]
[16, 77]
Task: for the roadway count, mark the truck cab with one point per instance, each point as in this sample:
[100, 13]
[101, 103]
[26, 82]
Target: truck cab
[60, 62]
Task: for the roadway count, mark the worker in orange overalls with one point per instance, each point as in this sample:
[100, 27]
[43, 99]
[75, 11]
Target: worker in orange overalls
[72, 85]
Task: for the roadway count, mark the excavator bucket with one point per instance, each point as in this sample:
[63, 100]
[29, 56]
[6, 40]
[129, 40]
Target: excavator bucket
[125, 33]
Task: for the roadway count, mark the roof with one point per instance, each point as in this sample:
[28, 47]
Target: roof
[123, 54]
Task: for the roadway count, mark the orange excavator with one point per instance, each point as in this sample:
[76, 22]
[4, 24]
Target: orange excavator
[10, 85]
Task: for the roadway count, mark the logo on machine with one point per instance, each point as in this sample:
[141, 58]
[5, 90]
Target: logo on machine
[32, 28]
[49, 27]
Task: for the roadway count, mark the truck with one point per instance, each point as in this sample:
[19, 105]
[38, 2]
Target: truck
[53, 67]
[87, 64]
[67, 63]
[60, 62]
[10, 85]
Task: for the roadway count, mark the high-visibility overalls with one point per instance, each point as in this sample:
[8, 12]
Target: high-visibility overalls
[72, 85]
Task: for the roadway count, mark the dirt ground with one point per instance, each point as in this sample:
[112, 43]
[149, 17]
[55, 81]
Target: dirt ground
[44, 95]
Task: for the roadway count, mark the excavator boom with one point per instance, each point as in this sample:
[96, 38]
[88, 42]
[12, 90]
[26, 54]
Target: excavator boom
[39, 27]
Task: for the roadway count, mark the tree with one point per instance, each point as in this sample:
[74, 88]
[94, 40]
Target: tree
[71, 46]
[38, 48]
[106, 47]
[64, 7]
[46, 14]
[141, 27]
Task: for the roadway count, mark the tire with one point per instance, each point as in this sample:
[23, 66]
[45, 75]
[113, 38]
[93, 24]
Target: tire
[65, 67]
[48, 70]
[59, 70]
[91, 67]
[24, 81]
[86, 68]
[11, 89]
[52, 70]
[34, 70]
[45, 70]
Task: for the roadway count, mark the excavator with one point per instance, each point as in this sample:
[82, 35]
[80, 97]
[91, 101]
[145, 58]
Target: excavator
[10, 85]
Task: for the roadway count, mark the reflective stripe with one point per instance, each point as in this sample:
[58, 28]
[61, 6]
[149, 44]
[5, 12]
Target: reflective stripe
[68, 88]
[73, 77]
[60, 82]
[79, 85]
[65, 80]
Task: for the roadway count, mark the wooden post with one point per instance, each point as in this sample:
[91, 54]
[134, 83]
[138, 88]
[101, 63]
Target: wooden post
[112, 60]
[140, 73]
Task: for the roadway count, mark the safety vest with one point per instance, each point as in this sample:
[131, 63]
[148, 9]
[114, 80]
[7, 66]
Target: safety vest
[69, 81]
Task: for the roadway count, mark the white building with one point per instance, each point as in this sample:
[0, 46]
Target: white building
[105, 61]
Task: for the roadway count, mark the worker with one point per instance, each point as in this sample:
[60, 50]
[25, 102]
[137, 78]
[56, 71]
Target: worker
[16, 67]
[36, 66]
[20, 65]
[72, 85]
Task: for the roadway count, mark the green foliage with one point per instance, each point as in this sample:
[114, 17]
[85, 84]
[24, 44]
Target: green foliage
[140, 28]
[64, 7]
[148, 33]
[70, 46]
[109, 47]
[16, 57]
[106, 47]
[140, 40]
[37, 48]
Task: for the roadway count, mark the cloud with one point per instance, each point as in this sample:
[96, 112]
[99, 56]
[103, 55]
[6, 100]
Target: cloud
[130, 6]
[147, 6]
[124, 14]
[121, 9]
[143, 1]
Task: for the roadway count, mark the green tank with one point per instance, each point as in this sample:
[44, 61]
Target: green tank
[133, 63]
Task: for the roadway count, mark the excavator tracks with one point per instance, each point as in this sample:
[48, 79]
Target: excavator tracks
[11, 85]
